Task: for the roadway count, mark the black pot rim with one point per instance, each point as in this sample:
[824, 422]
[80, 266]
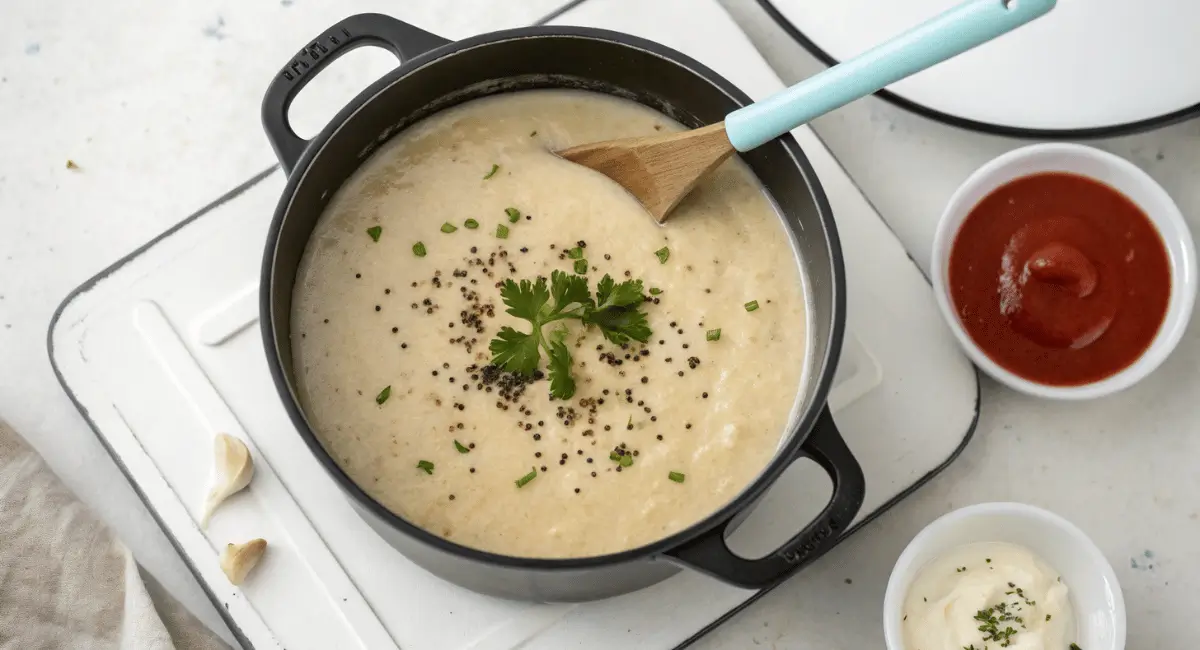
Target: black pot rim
[990, 128]
[820, 379]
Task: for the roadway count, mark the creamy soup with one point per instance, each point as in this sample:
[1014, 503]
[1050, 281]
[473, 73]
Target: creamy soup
[398, 300]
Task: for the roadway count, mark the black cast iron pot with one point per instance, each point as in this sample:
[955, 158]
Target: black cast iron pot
[435, 74]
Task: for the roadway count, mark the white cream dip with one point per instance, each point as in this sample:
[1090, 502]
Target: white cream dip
[1020, 602]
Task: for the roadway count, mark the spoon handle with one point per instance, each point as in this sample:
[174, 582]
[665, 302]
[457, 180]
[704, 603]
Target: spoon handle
[968, 25]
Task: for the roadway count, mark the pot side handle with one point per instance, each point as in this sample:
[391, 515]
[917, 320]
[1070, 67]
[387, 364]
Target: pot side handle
[711, 555]
[402, 39]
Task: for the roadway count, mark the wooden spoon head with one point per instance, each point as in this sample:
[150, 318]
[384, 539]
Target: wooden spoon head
[657, 170]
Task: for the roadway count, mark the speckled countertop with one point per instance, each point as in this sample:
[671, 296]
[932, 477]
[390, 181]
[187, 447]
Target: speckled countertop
[157, 103]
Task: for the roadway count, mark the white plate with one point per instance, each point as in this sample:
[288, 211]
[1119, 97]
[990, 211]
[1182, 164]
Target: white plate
[1090, 67]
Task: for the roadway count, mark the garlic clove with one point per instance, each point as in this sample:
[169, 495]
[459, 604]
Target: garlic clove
[237, 560]
[232, 470]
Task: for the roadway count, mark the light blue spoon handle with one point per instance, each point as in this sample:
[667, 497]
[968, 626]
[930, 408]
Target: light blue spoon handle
[972, 23]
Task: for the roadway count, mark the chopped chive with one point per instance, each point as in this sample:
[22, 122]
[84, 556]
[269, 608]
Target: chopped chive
[471, 224]
[514, 215]
[375, 232]
[654, 291]
[425, 465]
[575, 253]
[383, 395]
[752, 305]
[626, 460]
[614, 456]
[461, 449]
[448, 227]
[713, 335]
[581, 266]
[676, 476]
[663, 254]
[527, 478]
[502, 231]
[419, 249]
[495, 168]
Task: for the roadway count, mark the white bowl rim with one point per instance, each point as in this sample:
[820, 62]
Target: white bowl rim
[893, 597]
[1167, 220]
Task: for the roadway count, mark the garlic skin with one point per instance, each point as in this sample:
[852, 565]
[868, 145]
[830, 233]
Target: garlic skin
[232, 470]
[237, 560]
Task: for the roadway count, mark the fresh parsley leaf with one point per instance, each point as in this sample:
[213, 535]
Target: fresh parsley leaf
[526, 299]
[575, 253]
[610, 294]
[514, 215]
[515, 351]
[449, 227]
[419, 249]
[425, 466]
[713, 335]
[581, 266]
[618, 325]
[663, 254]
[374, 232]
[654, 291]
[501, 231]
[567, 290]
[562, 384]
[604, 288]
[471, 224]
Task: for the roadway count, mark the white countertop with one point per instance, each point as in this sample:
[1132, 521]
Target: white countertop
[157, 102]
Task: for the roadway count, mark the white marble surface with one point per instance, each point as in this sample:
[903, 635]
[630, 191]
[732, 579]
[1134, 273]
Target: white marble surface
[157, 102]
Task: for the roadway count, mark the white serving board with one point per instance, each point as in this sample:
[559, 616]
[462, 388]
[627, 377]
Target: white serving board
[1088, 64]
[163, 350]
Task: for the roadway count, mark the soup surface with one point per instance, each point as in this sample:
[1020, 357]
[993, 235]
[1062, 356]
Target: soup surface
[399, 297]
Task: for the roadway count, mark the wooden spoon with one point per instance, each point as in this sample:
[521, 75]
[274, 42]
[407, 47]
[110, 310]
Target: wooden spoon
[660, 170]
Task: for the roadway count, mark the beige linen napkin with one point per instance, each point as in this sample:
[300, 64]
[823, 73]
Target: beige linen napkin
[65, 580]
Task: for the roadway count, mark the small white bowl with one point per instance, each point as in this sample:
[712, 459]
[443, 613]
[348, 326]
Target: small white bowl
[1121, 175]
[1093, 589]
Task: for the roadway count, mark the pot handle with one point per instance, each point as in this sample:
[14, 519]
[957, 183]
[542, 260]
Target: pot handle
[402, 39]
[710, 554]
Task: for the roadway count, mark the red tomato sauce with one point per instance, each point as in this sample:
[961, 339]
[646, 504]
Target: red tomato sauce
[1060, 279]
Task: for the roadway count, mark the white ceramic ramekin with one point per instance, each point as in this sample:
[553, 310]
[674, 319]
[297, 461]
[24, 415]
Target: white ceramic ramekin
[1095, 594]
[1115, 172]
